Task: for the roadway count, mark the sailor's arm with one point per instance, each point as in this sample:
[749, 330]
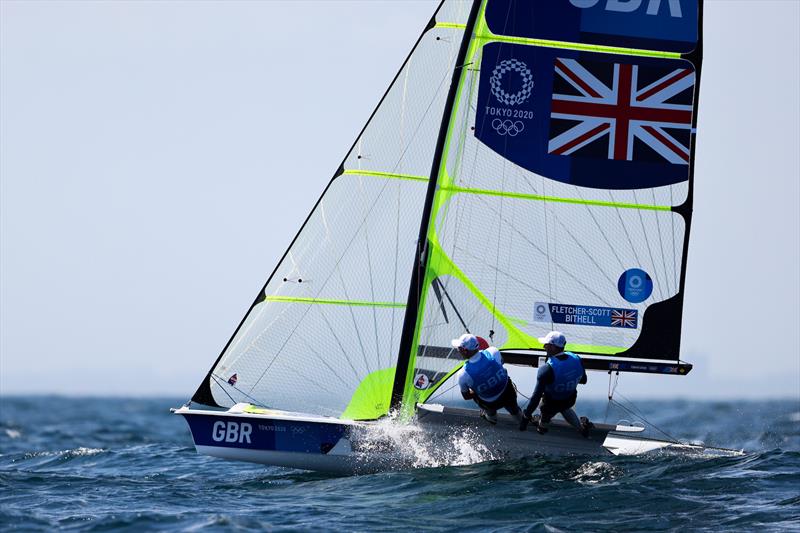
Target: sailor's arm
[463, 382]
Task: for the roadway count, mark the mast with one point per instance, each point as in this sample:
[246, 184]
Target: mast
[421, 258]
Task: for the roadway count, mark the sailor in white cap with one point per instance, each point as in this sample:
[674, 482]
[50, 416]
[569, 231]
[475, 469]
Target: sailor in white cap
[484, 379]
[557, 382]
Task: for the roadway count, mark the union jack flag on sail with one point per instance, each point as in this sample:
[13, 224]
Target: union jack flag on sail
[623, 319]
[620, 111]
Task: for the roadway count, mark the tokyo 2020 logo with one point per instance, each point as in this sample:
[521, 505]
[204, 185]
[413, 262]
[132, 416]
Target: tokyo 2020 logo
[504, 68]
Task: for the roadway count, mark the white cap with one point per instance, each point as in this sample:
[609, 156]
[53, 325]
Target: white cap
[556, 338]
[467, 341]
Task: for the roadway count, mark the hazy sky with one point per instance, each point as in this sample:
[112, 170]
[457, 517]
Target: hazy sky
[156, 158]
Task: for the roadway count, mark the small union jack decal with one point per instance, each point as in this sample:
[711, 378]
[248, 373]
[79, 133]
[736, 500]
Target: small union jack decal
[621, 318]
[621, 112]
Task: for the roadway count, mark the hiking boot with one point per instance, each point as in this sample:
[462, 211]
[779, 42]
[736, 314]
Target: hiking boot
[586, 425]
[541, 427]
[491, 418]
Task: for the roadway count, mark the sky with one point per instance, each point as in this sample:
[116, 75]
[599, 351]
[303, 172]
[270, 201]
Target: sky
[156, 159]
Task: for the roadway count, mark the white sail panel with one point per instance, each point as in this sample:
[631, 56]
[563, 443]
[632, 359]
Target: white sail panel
[323, 335]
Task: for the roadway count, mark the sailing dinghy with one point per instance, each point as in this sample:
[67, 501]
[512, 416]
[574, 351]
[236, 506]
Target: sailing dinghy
[529, 168]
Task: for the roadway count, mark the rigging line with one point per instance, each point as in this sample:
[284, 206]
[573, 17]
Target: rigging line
[440, 393]
[438, 294]
[647, 241]
[661, 245]
[625, 229]
[216, 380]
[519, 393]
[240, 391]
[453, 305]
[636, 413]
[611, 392]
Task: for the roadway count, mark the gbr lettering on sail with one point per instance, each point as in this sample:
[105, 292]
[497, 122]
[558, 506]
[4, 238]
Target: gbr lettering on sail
[653, 7]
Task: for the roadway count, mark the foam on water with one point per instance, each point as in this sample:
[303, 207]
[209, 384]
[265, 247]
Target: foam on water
[596, 472]
[412, 446]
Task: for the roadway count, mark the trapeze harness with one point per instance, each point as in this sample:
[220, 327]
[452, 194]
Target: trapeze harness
[488, 375]
[566, 375]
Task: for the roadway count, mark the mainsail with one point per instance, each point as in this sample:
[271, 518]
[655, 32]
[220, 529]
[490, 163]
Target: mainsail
[529, 168]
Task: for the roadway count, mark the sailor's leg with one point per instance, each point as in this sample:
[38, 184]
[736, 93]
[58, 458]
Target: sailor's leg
[570, 416]
[548, 411]
[488, 411]
[510, 401]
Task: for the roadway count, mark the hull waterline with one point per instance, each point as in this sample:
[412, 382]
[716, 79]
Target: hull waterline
[326, 444]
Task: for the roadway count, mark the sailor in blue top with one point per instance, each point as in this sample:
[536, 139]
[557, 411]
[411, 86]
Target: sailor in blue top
[484, 379]
[557, 382]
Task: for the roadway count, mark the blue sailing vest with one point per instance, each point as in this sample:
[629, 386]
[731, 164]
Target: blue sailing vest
[566, 375]
[488, 376]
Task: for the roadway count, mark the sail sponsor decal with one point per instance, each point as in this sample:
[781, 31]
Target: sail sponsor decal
[422, 382]
[650, 368]
[664, 25]
[588, 119]
[635, 285]
[585, 315]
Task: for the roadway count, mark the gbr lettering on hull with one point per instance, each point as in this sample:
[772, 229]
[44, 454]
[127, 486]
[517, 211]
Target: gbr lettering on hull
[231, 432]
[629, 6]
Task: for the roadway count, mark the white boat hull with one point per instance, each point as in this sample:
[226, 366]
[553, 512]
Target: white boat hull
[440, 436]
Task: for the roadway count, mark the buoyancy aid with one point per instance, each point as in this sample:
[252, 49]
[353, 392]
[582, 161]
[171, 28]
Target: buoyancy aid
[488, 375]
[566, 375]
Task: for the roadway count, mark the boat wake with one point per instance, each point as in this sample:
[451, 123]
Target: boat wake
[411, 446]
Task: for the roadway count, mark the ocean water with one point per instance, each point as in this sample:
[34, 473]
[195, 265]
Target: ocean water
[128, 464]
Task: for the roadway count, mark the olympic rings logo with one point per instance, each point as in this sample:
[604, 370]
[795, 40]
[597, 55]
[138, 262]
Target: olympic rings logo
[499, 72]
[508, 127]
